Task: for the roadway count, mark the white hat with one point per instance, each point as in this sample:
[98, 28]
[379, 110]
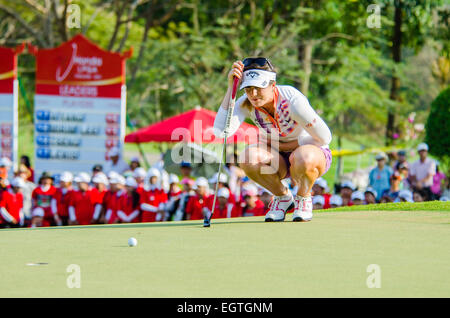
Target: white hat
[113, 174]
[358, 195]
[321, 183]
[153, 172]
[257, 78]
[223, 178]
[139, 173]
[18, 182]
[134, 159]
[5, 162]
[100, 178]
[66, 176]
[114, 151]
[118, 179]
[83, 177]
[422, 146]
[318, 199]
[131, 182]
[348, 184]
[371, 190]
[406, 195]
[336, 200]
[249, 189]
[380, 155]
[223, 192]
[173, 178]
[201, 182]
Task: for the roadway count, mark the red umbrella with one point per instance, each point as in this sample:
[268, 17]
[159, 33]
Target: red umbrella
[195, 125]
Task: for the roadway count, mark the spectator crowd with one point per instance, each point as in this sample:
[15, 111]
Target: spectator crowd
[118, 192]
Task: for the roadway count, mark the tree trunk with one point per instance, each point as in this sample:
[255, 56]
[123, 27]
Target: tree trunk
[305, 58]
[395, 82]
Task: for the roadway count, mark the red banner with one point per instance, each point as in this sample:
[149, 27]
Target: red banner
[8, 68]
[79, 68]
[80, 106]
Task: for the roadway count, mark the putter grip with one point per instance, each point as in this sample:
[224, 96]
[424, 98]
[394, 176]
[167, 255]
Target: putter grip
[231, 106]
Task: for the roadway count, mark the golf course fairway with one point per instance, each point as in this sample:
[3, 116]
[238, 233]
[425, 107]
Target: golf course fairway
[242, 257]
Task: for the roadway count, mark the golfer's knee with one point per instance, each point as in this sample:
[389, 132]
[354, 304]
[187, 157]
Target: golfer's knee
[303, 162]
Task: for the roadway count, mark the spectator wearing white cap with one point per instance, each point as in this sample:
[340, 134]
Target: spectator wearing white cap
[380, 176]
[24, 173]
[81, 206]
[115, 162]
[194, 208]
[223, 208]
[358, 198]
[173, 197]
[223, 183]
[153, 179]
[139, 175]
[347, 188]
[153, 199]
[63, 196]
[318, 202]
[422, 171]
[100, 188]
[43, 211]
[251, 205]
[129, 204]
[11, 203]
[370, 196]
[111, 200]
[335, 201]
[320, 187]
[5, 165]
[404, 196]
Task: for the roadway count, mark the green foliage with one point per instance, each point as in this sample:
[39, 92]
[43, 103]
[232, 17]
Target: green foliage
[185, 57]
[438, 128]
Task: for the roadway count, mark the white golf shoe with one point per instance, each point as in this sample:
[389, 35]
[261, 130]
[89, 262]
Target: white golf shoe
[279, 207]
[303, 209]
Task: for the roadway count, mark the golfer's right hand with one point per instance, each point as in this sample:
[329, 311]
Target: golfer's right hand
[236, 71]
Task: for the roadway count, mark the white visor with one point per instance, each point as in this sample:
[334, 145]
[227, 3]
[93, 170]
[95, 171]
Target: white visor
[257, 78]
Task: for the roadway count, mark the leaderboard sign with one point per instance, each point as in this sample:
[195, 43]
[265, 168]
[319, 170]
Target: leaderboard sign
[9, 103]
[80, 106]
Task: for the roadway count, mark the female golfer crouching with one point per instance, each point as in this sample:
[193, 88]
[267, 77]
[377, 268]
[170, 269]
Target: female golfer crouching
[293, 139]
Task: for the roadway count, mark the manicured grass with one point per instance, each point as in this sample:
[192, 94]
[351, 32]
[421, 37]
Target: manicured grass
[401, 206]
[242, 257]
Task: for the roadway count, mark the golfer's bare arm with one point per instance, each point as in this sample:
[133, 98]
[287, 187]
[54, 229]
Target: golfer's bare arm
[304, 114]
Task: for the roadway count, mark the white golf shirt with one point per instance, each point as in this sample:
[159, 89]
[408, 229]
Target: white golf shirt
[294, 118]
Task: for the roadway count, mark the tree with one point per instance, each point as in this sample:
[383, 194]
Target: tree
[438, 129]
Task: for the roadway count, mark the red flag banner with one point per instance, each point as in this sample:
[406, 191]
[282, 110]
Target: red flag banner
[80, 105]
[9, 103]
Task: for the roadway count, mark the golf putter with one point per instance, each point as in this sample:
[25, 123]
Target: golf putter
[207, 219]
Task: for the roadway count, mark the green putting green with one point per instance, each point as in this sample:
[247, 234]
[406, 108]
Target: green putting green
[242, 257]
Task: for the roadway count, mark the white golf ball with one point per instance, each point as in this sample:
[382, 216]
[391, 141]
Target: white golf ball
[132, 241]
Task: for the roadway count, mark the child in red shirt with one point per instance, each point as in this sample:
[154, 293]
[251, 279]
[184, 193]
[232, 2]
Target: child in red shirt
[11, 204]
[81, 206]
[129, 203]
[112, 198]
[63, 196]
[196, 204]
[223, 208]
[100, 181]
[251, 206]
[44, 208]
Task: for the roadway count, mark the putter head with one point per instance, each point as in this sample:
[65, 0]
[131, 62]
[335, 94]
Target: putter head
[206, 222]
